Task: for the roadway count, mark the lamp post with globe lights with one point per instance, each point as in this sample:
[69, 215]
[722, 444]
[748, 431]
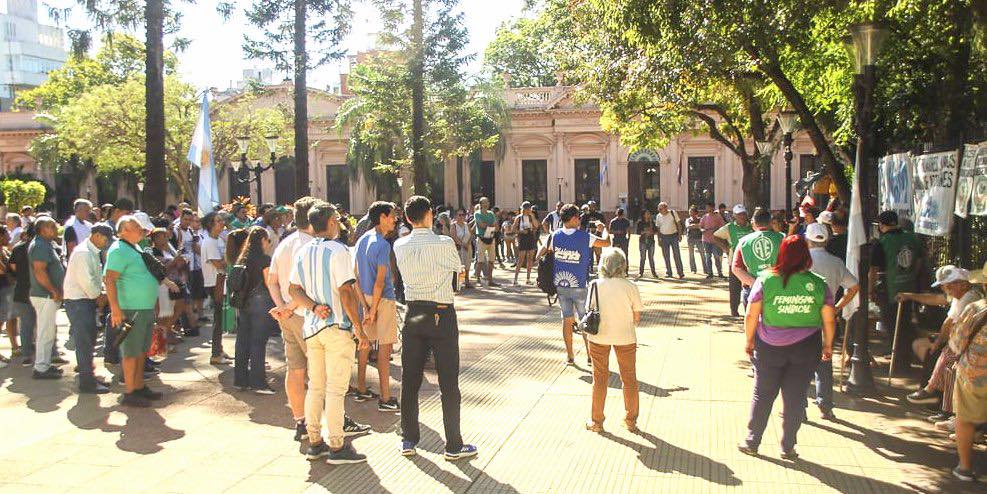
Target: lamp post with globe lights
[258, 169]
[788, 121]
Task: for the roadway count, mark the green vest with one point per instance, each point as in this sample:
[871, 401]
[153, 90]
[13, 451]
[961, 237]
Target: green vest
[737, 232]
[760, 250]
[901, 252]
[797, 305]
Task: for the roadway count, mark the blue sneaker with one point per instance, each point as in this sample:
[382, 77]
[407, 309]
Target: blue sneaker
[468, 450]
[408, 448]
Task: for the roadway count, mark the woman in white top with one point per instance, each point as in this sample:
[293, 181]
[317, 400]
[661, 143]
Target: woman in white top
[462, 235]
[526, 226]
[620, 311]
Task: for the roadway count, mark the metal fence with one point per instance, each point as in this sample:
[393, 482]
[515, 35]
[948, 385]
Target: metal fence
[966, 246]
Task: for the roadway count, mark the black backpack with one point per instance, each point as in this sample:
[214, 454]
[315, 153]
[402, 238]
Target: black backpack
[237, 285]
[546, 276]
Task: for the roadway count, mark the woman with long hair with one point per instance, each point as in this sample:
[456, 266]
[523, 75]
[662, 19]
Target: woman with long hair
[646, 242]
[171, 305]
[254, 325]
[790, 324]
[526, 227]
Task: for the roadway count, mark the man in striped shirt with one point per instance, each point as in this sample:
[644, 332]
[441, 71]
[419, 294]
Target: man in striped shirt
[322, 283]
[428, 264]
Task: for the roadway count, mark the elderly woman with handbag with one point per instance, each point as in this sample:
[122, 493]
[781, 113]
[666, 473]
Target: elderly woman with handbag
[789, 326]
[613, 327]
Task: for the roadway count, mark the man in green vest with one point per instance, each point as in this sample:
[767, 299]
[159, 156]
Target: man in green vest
[897, 255]
[727, 238]
[756, 252]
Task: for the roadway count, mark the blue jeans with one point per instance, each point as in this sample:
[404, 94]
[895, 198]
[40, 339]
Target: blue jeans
[671, 243]
[254, 326]
[82, 326]
[28, 320]
[572, 301]
[710, 252]
[786, 369]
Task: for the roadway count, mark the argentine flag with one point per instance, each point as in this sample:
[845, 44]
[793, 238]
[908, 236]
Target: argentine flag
[200, 155]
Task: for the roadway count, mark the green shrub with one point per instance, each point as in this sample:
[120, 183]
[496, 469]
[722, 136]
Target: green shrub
[20, 193]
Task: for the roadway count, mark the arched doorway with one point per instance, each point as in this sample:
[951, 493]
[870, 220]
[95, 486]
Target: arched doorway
[643, 182]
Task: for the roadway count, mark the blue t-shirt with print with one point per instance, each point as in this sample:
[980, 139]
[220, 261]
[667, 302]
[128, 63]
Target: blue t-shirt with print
[373, 250]
[573, 256]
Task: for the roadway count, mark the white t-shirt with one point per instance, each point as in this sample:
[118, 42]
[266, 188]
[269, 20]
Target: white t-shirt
[81, 227]
[667, 223]
[619, 299]
[956, 305]
[15, 235]
[212, 249]
[283, 263]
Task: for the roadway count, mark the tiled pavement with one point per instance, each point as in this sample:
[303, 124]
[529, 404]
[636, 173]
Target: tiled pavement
[521, 406]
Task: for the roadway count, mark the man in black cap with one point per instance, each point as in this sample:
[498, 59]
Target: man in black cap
[83, 298]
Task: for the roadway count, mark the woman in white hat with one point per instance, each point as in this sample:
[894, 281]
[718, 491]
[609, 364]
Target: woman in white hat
[969, 342]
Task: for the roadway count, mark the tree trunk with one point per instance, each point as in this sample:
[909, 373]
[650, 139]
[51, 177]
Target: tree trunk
[959, 98]
[794, 97]
[301, 103]
[154, 158]
[419, 165]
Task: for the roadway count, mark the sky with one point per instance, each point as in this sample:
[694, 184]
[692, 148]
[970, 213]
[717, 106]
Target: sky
[215, 57]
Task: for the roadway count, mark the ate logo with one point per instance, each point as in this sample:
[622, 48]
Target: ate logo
[762, 248]
[905, 258]
[810, 286]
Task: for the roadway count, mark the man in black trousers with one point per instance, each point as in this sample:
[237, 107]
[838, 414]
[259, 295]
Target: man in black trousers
[428, 264]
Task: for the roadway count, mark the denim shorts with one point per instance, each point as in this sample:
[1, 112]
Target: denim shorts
[572, 300]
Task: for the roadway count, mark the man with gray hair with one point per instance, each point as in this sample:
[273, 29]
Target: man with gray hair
[77, 227]
[83, 298]
[47, 276]
[837, 276]
[132, 292]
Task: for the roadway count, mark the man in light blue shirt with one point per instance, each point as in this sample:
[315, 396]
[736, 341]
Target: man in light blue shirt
[373, 269]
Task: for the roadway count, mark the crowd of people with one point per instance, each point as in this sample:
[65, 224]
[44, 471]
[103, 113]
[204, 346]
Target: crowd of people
[341, 292]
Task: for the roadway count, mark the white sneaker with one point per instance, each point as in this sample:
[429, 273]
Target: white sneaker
[948, 425]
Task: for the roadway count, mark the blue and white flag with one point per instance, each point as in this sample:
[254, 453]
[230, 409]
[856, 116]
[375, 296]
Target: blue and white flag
[200, 155]
[856, 238]
[603, 170]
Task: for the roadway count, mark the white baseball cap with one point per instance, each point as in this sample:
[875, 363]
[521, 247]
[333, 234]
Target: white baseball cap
[826, 217]
[816, 232]
[739, 209]
[950, 274]
[144, 220]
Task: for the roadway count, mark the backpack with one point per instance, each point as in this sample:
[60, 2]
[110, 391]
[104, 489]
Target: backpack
[546, 275]
[236, 284]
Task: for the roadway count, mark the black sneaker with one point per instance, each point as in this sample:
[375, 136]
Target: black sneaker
[95, 389]
[351, 391]
[747, 449]
[148, 394]
[790, 455]
[827, 414]
[301, 431]
[317, 450]
[345, 456]
[389, 405]
[49, 373]
[923, 397]
[352, 428]
[362, 396]
[134, 400]
[28, 361]
[58, 360]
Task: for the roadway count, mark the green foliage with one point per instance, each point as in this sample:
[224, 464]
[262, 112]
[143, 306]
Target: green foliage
[119, 58]
[524, 48]
[240, 117]
[326, 24]
[20, 193]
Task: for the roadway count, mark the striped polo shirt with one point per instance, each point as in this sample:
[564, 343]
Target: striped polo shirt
[321, 267]
[428, 263]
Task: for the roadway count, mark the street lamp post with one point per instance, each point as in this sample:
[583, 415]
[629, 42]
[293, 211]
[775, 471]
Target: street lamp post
[258, 169]
[787, 120]
[559, 180]
[864, 44]
[140, 193]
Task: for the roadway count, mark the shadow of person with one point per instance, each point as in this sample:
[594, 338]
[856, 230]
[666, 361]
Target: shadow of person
[840, 481]
[649, 389]
[667, 458]
[145, 431]
[358, 477]
[42, 396]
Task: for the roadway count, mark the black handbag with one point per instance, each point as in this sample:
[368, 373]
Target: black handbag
[590, 324]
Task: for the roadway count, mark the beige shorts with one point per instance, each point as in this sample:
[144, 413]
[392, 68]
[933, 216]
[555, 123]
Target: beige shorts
[969, 403]
[294, 342]
[385, 329]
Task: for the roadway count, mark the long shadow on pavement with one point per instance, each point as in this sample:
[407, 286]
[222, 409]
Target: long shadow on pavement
[686, 462]
[613, 382]
[840, 481]
[143, 433]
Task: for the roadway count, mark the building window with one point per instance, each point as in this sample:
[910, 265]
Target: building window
[482, 181]
[338, 185]
[534, 185]
[587, 182]
[437, 185]
[701, 180]
[284, 181]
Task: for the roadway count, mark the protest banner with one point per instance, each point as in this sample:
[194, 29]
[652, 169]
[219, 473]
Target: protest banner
[934, 183]
[964, 184]
[895, 184]
[979, 206]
